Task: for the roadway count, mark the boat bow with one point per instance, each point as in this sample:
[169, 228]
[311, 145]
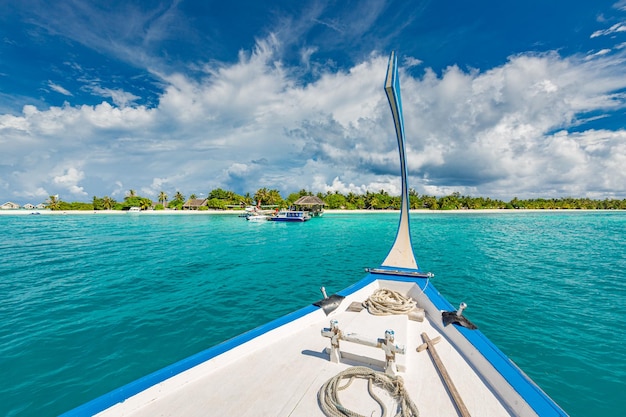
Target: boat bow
[401, 253]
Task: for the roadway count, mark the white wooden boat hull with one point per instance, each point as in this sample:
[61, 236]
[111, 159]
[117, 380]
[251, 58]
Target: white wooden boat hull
[277, 369]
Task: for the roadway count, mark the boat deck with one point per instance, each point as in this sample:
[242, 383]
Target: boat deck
[280, 372]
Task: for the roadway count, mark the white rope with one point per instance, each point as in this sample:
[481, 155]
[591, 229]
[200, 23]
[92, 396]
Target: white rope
[328, 399]
[385, 302]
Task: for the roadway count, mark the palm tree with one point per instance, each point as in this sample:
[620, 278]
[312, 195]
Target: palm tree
[179, 196]
[162, 198]
[53, 202]
[144, 203]
[108, 202]
[131, 193]
[273, 197]
[192, 197]
[261, 196]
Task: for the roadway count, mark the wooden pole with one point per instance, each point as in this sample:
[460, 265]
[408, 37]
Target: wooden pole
[458, 401]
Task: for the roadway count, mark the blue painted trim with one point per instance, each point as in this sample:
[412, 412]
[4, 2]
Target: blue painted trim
[538, 400]
[527, 389]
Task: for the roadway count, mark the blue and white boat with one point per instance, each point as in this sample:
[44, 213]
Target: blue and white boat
[291, 216]
[405, 348]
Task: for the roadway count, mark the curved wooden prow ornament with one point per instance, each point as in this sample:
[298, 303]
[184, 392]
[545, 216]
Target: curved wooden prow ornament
[401, 253]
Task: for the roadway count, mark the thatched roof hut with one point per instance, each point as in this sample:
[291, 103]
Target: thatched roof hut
[309, 200]
[194, 203]
[313, 204]
[9, 205]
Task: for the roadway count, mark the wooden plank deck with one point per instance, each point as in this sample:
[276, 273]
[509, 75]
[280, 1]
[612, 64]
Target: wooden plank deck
[280, 373]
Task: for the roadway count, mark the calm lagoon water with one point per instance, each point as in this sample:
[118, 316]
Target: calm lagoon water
[91, 302]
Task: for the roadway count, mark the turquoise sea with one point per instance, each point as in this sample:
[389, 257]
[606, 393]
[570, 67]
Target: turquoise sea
[91, 302]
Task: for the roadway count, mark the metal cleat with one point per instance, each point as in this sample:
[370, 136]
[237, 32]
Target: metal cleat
[334, 334]
[386, 344]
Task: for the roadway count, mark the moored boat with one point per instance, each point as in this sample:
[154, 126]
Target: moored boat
[291, 216]
[390, 342]
[254, 217]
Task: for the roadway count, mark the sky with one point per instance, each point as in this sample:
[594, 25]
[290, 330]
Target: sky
[501, 99]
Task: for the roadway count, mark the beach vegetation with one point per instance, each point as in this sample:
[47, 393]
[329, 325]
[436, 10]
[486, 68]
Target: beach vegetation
[97, 203]
[53, 202]
[108, 203]
[335, 201]
[220, 199]
[134, 201]
[145, 203]
[264, 196]
[175, 204]
[216, 204]
[354, 201]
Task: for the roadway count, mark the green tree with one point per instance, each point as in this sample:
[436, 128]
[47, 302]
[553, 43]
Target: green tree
[145, 203]
[136, 201]
[220, 194]
[216, 204]
[291, 198]
[430, 202]
[162, 198]
[97, 203]
[335, 201]
[53, 202]
[415, 202]
[274, 198]
[262, 196]
[108, 202]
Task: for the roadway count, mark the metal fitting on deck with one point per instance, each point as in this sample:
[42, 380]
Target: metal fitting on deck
[386, 344]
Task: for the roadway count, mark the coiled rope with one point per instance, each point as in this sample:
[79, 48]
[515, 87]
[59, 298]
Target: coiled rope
[328, 399]
[384, 302]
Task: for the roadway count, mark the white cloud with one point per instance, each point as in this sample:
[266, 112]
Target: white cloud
[58, 88]
[69, 180]
[620, 5]
[616, 28]
[409, 62]
[120, 97]
[253, 124]
[598, 53]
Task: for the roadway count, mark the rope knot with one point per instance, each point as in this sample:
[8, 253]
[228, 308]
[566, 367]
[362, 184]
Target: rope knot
[331, 406]
[384, 302]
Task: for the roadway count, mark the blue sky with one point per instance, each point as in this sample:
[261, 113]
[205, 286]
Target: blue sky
[501, 99]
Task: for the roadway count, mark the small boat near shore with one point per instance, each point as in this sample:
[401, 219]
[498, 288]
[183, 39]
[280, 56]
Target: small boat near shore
[291, 216]
[258, 218]
[388, 344]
